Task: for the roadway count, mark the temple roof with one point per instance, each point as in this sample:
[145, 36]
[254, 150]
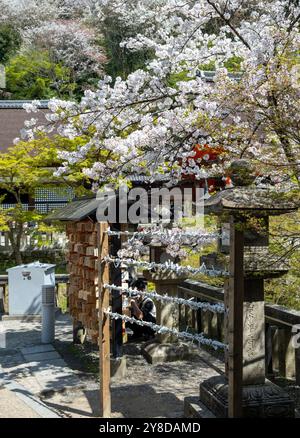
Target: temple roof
[18, 104]
[264, 200]
[12, 120]
[76, 210]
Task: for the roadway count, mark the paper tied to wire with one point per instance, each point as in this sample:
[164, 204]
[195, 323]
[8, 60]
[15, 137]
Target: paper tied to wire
[205, 306]
[168, 266]
[175, 240]
[166, 234]
[198, 338]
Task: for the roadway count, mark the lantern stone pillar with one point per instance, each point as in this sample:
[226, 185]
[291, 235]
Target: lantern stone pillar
[251, 206]
[167, 314]
[166, 347]
[253, 333]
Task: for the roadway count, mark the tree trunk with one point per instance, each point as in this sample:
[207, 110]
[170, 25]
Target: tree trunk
[283, 136]
[15, 236]
[18, 256]
[290, 155]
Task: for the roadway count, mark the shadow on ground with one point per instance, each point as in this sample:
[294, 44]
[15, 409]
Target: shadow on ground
[129, 401]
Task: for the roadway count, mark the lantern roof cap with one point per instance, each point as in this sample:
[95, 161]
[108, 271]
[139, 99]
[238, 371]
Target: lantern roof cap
[266, 201]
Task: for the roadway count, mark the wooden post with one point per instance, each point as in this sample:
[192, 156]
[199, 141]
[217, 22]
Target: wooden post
[235, 321]
[104, 324]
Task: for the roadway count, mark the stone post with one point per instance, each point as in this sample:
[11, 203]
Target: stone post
[254, 333]
[166, 346]
[167, 314]
[287, 354]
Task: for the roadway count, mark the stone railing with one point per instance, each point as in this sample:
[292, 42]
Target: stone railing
[281, 357]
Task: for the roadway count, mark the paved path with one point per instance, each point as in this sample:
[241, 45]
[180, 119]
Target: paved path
[29, 368]
[12, 407]
[17, 402]
[153, 391]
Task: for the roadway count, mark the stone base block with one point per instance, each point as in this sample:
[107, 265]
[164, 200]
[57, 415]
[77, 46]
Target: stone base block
[194, 408]
[155, 352]
[259, 401]
[118, 367]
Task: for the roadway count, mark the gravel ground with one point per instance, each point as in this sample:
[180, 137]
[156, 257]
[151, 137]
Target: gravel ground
[147, 391]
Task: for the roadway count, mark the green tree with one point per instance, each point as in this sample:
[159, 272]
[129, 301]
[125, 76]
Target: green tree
[285, 244]
[121, 61]
[32, 75]
[10, 42]
[21, 172]
[31, 165]
[23, 168]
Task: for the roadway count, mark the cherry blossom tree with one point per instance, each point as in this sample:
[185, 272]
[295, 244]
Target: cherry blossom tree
[70, 42]
[61, 28]
[150, 123]
[116, 26]
[24, 14]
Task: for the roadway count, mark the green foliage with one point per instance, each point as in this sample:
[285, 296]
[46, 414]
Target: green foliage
[29, 165]
[233, 64]
[48, 153]
[284, 231]
[10, 42]
[62, 298]
[209, 66]
[23, 168]
[122, 61]
[285, 291]
[3, 221]
[32, 75]
[178, 77]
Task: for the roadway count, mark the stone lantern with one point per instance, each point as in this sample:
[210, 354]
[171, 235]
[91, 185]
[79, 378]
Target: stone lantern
[166, 347]
[250, 207]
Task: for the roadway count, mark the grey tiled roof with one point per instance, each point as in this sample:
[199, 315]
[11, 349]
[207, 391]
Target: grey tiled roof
[18, 104]
[136, 178]
[250, 198]
[209, 75]
[75, 211]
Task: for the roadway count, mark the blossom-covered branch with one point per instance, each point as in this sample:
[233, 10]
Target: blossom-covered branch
[150, 122]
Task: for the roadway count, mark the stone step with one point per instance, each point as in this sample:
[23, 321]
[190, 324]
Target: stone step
[193, 408]
[42, 348]
[41, 357]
